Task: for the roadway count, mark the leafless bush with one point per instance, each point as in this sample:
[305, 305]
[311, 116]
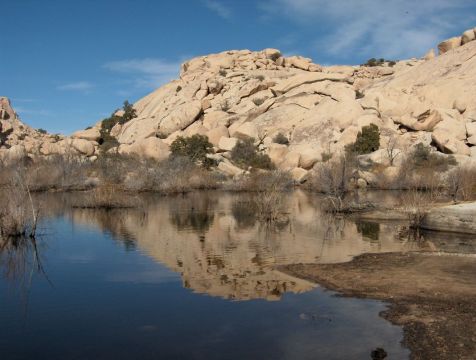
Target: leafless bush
[106, 197]
[334, 178]
[261, 181]
[461, 183]
[391, 150]
[18, 212]
[270, 200]
[415, 204]
[175, 175]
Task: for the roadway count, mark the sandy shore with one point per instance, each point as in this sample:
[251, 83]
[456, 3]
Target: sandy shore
[432, 296]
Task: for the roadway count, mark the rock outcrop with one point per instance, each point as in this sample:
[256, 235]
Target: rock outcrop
[455, 218]
[237, 94]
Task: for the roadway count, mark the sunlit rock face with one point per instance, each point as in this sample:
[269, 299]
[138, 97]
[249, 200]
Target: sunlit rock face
[318, 108]
[216, 243]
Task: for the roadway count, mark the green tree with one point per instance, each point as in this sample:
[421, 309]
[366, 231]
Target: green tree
[246, 154]
[368, 140]
[129, 112]
[195, 147]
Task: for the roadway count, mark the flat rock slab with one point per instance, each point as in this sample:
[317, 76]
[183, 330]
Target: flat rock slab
[459, 218]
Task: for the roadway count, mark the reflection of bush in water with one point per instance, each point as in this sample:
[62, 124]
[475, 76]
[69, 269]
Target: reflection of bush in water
[369, 230]
[20, 258]
[244, 213]
[193, 219]
[192, 212]
[216, 261]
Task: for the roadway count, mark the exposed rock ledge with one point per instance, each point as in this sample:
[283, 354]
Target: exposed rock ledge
[455, 218]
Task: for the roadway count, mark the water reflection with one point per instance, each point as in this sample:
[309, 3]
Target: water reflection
[215, 243]
[20, 259]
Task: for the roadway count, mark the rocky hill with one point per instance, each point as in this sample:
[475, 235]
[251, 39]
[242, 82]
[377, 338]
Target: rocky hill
[19, 141]
[237, 94]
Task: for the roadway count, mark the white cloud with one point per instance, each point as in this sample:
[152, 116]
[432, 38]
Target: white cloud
[393, 29]
[27, 111]
[83, 86]
[146, 73]
[219, 8]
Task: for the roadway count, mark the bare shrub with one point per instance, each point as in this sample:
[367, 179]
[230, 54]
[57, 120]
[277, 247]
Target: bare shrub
[271, 198]
[461, 183]
[415, 204]
[391, 150]
[334, 178]
[261, 181]
[19, 214]
[106, 197]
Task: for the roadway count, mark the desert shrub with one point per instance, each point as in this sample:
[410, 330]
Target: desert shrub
[423, 157]
[259, 77]
[42, 131]
[167, 177]
[106, 196]
[359, 94]
[222, 72]
[245, 154]
[129, 112]
[334, 179]
[256, 182]
[461, 183]
[368, 140]
[326, 156]
[106, 141]
[161, 135]
[281, 139]
[226, 105]
[18, 211]
[195, 147]
[379, 62]
[258, 101]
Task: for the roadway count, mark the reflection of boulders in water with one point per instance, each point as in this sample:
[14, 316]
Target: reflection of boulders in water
[192, 212]
[113, 221]
[369, 230]
[225, 252]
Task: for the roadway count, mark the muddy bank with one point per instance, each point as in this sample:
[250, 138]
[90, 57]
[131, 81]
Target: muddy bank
[432, 296]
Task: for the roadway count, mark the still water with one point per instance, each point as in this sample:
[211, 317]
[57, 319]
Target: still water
[191, 277]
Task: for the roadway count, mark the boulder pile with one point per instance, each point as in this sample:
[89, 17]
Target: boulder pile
[238, 94]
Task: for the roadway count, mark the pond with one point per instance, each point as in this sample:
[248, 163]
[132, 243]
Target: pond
[192, 277]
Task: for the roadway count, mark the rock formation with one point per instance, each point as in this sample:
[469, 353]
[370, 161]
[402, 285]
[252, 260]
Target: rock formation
[241, 93]
[18, 140]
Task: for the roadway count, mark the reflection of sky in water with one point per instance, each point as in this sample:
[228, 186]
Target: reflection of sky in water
[146, 295]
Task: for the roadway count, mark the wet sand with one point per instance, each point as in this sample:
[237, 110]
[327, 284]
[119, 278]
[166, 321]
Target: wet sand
[432, 296]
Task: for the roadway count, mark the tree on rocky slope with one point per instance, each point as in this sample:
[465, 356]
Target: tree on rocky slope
[368, 140]
[195, 148]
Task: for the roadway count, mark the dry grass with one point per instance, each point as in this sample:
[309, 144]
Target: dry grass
[461, 183]
[106, 197]
[19, 213]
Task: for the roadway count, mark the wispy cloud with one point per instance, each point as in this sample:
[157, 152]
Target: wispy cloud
[82, 86]
[219, 8]
[146, 73]
[393, 29]
[27, 111]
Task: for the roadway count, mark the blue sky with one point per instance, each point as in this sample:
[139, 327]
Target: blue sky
[67, 64]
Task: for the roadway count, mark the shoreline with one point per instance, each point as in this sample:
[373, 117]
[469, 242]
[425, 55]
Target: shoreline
[433, 297]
